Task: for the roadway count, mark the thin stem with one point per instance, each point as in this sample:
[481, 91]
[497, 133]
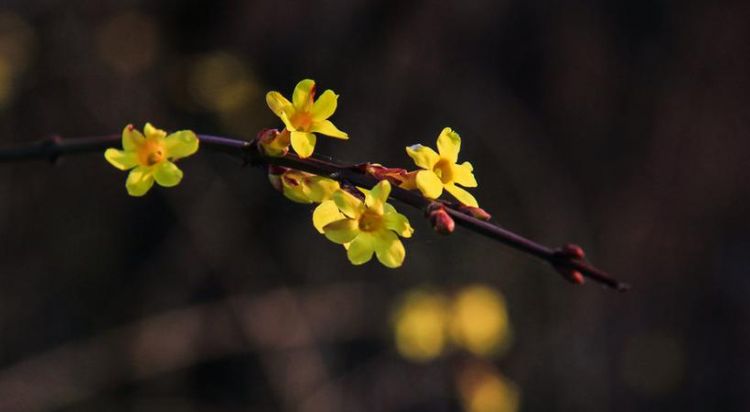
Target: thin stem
[54, 147]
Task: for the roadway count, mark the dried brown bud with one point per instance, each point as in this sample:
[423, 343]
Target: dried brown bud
[395, 175]
[476, 212]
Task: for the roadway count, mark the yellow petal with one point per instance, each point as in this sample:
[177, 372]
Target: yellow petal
[152, 132]
[303, 143]
[376, 198]
[462, 174]
[327, 128]
[429, 184]
[423, 156]
[121, 159]
[361, 249]
[341, 231]
[449, 144]
[131, 138]
[348, 204]
[461, 195]
[167, 174]
[181, 144]
[325, 106]
[389, 249]
[139, 181]
[303, 93]
[288, 123]
[322, 188]
[326, 213]
[278, 104]
[396, 222]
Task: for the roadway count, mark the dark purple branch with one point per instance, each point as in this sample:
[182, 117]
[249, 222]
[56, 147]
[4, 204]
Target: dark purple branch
[571, 266]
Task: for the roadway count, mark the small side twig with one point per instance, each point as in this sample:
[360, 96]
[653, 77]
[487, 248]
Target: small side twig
[567, 260]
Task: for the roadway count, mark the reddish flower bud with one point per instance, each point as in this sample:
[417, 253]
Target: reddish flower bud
[441, 221]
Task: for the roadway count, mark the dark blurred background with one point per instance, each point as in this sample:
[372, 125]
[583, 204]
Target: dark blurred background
[618, 125]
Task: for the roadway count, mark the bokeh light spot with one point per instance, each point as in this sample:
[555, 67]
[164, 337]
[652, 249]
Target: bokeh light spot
[221, 82]
[483, 389]
[128, 42]
[479, 321]
[420, 326]
[16, 46]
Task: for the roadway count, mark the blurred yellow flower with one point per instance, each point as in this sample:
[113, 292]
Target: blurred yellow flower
[151, 157]
[368, 227]
[441, 170]
[304, 117]
[483, 389]
[479, 321]
[420, 326]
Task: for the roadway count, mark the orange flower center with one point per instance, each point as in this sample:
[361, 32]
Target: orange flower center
[151, 153]
[370, 221]
[302, 121]
[444, 170]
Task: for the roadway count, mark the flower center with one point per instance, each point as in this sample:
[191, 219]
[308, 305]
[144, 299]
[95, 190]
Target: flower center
[444, 170]
[370, 221]
[151, 153]
[302, 121]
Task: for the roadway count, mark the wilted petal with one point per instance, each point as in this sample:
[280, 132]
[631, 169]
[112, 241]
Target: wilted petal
[423, 156]
[167, 174]
[121, 159]
[429, 184]
[449, 144]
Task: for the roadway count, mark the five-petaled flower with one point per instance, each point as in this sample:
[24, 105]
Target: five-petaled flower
[304, 117]
[151, 157]
[368, 227]
[441, 171]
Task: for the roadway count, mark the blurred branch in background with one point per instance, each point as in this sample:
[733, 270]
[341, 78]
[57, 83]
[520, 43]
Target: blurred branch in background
[284, 326]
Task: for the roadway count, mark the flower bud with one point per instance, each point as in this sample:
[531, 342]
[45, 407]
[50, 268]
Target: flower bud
[441, 221]
[476, 212]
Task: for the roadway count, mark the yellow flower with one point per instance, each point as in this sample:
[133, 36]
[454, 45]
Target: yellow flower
[369, 227]
[479, 321]
[302, 187]
[303, 117]
[441, 170]
[420, 323]
[151, 157]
